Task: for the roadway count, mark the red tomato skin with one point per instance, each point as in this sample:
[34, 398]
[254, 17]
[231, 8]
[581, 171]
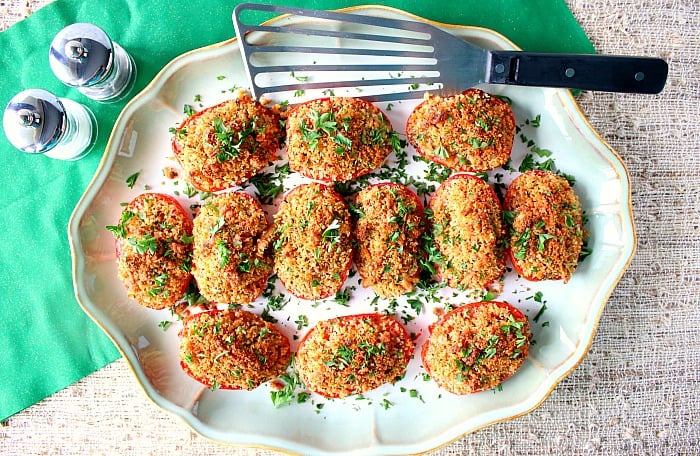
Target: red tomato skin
[440, 161]
[186, 216]
[509, 251]
[371, 316]
[517, 314]
[187, 370]
[335, 178]
[348, 266]
[450, 180]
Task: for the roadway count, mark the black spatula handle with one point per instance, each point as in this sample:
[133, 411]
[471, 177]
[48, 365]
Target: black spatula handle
[608, 73]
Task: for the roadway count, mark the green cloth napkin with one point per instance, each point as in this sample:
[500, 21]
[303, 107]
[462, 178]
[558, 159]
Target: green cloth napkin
[46, 340]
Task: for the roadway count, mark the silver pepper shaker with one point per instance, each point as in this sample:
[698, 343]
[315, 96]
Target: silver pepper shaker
[84, 57]
[37, 122]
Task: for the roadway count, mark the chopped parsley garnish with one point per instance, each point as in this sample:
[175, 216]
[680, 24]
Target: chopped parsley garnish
[223, 252]
[343, 357]
[120, 229]
[516, 327]
[356, 210]
[159, 281]
[230, 141]
[534, 122]
[509, 217]
[332, 233]
[192, 295]
[179, 132]
[488, 296]
[187, 263]
[325, 122]
[188, 110]
[278, 243]
[270, 185]
[145, 244]
[342, 297]
[220, 222]
[165, 324]
[396, 143]
[585, 252]
[441, 152]
[414, 394]
[437, 173]
[477, 143]
[542, 238]
[521, 244]
[189, 190]
[538, 298]
[433, 254]
[302, 321]
[372, 350]
[299, 78]
[292, 383]
[504, 98]
[131, 180]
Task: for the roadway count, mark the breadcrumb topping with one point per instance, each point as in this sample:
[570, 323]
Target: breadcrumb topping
[463, 236]
[222, 146]
[546, 226]
[153, 250]
[232, 349]
[388, 226]
[338, 139]
[353, 354]
[467, 229]
[477, 346]
[472, 131]
[230, 261]
[312, 241]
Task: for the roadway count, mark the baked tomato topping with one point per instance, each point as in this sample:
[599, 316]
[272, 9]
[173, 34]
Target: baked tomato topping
[353, 354]
[153, 249]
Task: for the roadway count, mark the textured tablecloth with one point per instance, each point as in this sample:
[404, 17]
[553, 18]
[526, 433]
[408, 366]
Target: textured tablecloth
[637, 391]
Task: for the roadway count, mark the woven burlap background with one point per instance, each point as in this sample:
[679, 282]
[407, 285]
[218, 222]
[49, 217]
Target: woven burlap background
[638, 390]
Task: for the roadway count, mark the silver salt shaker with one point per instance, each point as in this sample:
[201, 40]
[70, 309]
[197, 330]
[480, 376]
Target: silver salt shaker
[37, 122]
[84, 57]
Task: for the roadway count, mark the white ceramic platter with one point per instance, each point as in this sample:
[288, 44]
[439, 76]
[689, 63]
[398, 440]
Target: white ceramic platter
[413, 415]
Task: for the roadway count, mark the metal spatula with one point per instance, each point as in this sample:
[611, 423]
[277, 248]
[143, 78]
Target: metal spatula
[385, 59]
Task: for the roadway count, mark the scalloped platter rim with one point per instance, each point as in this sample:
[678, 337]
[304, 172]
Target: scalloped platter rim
[411, 416]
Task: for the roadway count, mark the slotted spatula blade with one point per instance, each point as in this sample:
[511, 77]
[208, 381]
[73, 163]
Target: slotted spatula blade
[383, 59]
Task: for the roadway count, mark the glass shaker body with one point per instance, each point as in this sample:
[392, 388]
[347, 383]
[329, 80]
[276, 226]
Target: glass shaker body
[84, 57]
[37, 122]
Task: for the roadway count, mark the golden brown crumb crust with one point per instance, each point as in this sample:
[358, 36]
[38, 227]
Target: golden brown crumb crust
[468, 230]
[337, 139]
[312, 241]
[546, 227]
[388, 226]
[153, 250]
[472, 131]
[353, 354]
[222, 146]
[477, 346]
[230, 261]
[232, 349]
